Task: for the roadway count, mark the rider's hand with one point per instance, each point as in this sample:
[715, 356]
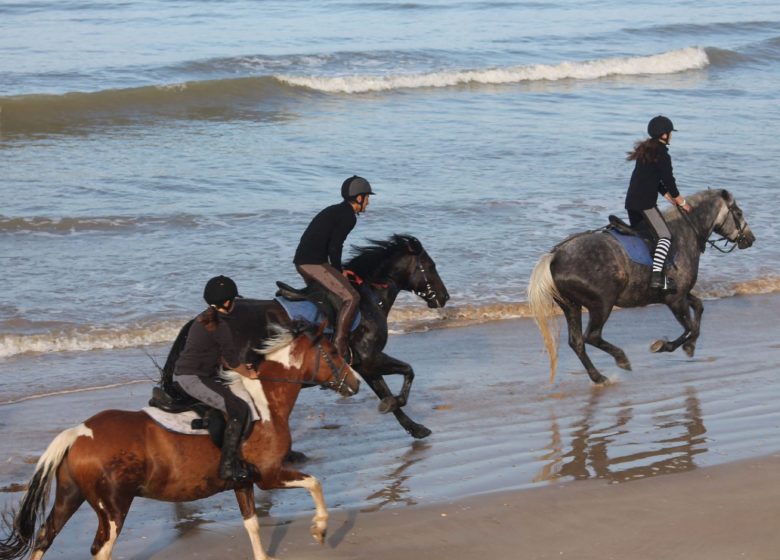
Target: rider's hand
[686, 207]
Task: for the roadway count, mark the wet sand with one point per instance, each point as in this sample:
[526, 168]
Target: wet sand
[519, 468]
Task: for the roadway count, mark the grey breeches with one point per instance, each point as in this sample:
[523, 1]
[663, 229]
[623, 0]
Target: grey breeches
[213, 392]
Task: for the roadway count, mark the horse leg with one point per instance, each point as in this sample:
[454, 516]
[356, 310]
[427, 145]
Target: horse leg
[378, 385]
[245, 496]
[679, 308]
[68, 499]
[392, 366]
[698, 309]
[111, 509]
[289, 478]
[573, 314]
[597, 318]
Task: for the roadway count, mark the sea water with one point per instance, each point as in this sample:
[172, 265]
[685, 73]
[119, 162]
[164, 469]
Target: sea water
[147, 146]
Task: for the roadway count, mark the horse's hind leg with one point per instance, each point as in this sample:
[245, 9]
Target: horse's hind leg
[573, 314]
[597, 318]
[111, 510]
[68, 499]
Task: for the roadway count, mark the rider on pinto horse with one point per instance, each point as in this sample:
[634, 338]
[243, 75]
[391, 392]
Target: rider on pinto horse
[210, 347]
[318, 257]
[652, 175]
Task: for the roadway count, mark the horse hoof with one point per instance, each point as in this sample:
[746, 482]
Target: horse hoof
[296, 457]
[388, 404]
[658, 346]
[689, 349]
[419, 431]
[318, 534]
[626, 365]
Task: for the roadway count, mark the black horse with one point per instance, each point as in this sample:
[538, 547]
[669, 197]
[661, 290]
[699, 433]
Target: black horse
[385, 268]
[592, 270]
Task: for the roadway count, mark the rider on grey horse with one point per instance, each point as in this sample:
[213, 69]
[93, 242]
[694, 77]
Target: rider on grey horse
[652, 175]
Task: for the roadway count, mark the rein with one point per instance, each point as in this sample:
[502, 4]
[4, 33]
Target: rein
[336, 371]
[712, 242]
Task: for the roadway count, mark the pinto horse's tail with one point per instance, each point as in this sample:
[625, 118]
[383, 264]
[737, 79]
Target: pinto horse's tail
[20, 525]
[542, 298]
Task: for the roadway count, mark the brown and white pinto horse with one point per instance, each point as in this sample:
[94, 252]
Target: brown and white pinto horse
[117, 455]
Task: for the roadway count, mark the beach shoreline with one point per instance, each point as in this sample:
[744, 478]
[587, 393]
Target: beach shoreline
[717, 513]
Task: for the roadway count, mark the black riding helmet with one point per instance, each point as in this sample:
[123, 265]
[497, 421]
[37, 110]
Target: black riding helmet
[658, 126]
[219, 290]
[354, 186]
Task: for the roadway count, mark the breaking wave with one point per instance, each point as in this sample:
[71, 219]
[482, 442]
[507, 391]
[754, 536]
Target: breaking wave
[682, 60]
[413, 318]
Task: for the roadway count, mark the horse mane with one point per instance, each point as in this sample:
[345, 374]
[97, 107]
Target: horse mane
[279, 337]
[369, 261]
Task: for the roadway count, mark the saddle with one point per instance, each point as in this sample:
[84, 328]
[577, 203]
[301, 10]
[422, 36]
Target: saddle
[638, 243]
[312, 304]
[172, 399]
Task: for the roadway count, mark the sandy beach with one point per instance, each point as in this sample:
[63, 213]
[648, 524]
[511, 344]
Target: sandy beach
[677, 459]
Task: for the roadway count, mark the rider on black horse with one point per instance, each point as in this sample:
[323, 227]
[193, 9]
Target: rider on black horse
[652, 175]
[318, 257]
[209, 347]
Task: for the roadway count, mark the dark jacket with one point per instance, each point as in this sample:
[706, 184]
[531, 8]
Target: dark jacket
[323, 240]
[204, 350]
[650, 179]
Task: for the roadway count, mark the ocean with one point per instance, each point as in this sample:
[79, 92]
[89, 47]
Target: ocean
[147, 146]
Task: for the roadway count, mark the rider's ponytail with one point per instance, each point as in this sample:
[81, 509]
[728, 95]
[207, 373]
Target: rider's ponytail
[645, 151]
[209, 318]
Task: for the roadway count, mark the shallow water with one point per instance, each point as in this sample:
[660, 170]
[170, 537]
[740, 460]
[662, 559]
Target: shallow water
[497, 424]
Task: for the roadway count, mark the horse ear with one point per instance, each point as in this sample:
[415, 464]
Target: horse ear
[413, 245]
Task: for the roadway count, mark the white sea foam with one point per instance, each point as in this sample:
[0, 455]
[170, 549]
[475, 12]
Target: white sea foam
[681, 60]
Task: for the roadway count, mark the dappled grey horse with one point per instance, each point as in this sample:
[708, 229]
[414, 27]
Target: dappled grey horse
[593, 271]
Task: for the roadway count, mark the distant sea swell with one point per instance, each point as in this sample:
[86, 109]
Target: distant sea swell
[402, 320]
[256, 96]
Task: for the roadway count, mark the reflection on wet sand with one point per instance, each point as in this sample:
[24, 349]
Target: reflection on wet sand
[395, 491]
[601, 439]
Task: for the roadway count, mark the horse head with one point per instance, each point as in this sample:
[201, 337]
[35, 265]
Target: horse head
[303, 349]
[403, 261]
[731, 223]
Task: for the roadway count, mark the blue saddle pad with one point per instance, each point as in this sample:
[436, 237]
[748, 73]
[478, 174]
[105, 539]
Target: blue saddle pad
[306, 311]
[635, 248]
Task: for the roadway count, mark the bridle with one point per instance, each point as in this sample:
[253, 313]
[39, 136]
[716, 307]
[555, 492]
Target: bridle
[429, 294]
[712, 242]
[339, 373]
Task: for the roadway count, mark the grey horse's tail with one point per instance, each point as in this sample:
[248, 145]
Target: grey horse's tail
[542, 298]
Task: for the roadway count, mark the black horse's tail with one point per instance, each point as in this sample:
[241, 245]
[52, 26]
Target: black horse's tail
[19, 526]
[166, 374]
[542, 298]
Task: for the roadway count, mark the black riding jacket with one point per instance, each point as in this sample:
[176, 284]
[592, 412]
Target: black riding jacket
[650, 179]
[204, 350]
[323, 240]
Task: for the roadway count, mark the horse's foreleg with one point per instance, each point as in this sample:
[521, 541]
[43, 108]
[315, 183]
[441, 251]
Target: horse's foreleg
[698, 309]
[289, 478]
[387, 365]
[679, 308]
[573, 314]
[382, 391]
[245, 496]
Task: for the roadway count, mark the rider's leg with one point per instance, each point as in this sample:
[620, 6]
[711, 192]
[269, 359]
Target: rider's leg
[333, 281]
[211, 391]
[656, 221]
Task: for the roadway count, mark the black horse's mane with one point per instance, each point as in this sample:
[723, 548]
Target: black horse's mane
[372, 260]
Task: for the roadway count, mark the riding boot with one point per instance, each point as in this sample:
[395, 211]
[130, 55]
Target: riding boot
[659, 281]
[343, 326]
[231, 467]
